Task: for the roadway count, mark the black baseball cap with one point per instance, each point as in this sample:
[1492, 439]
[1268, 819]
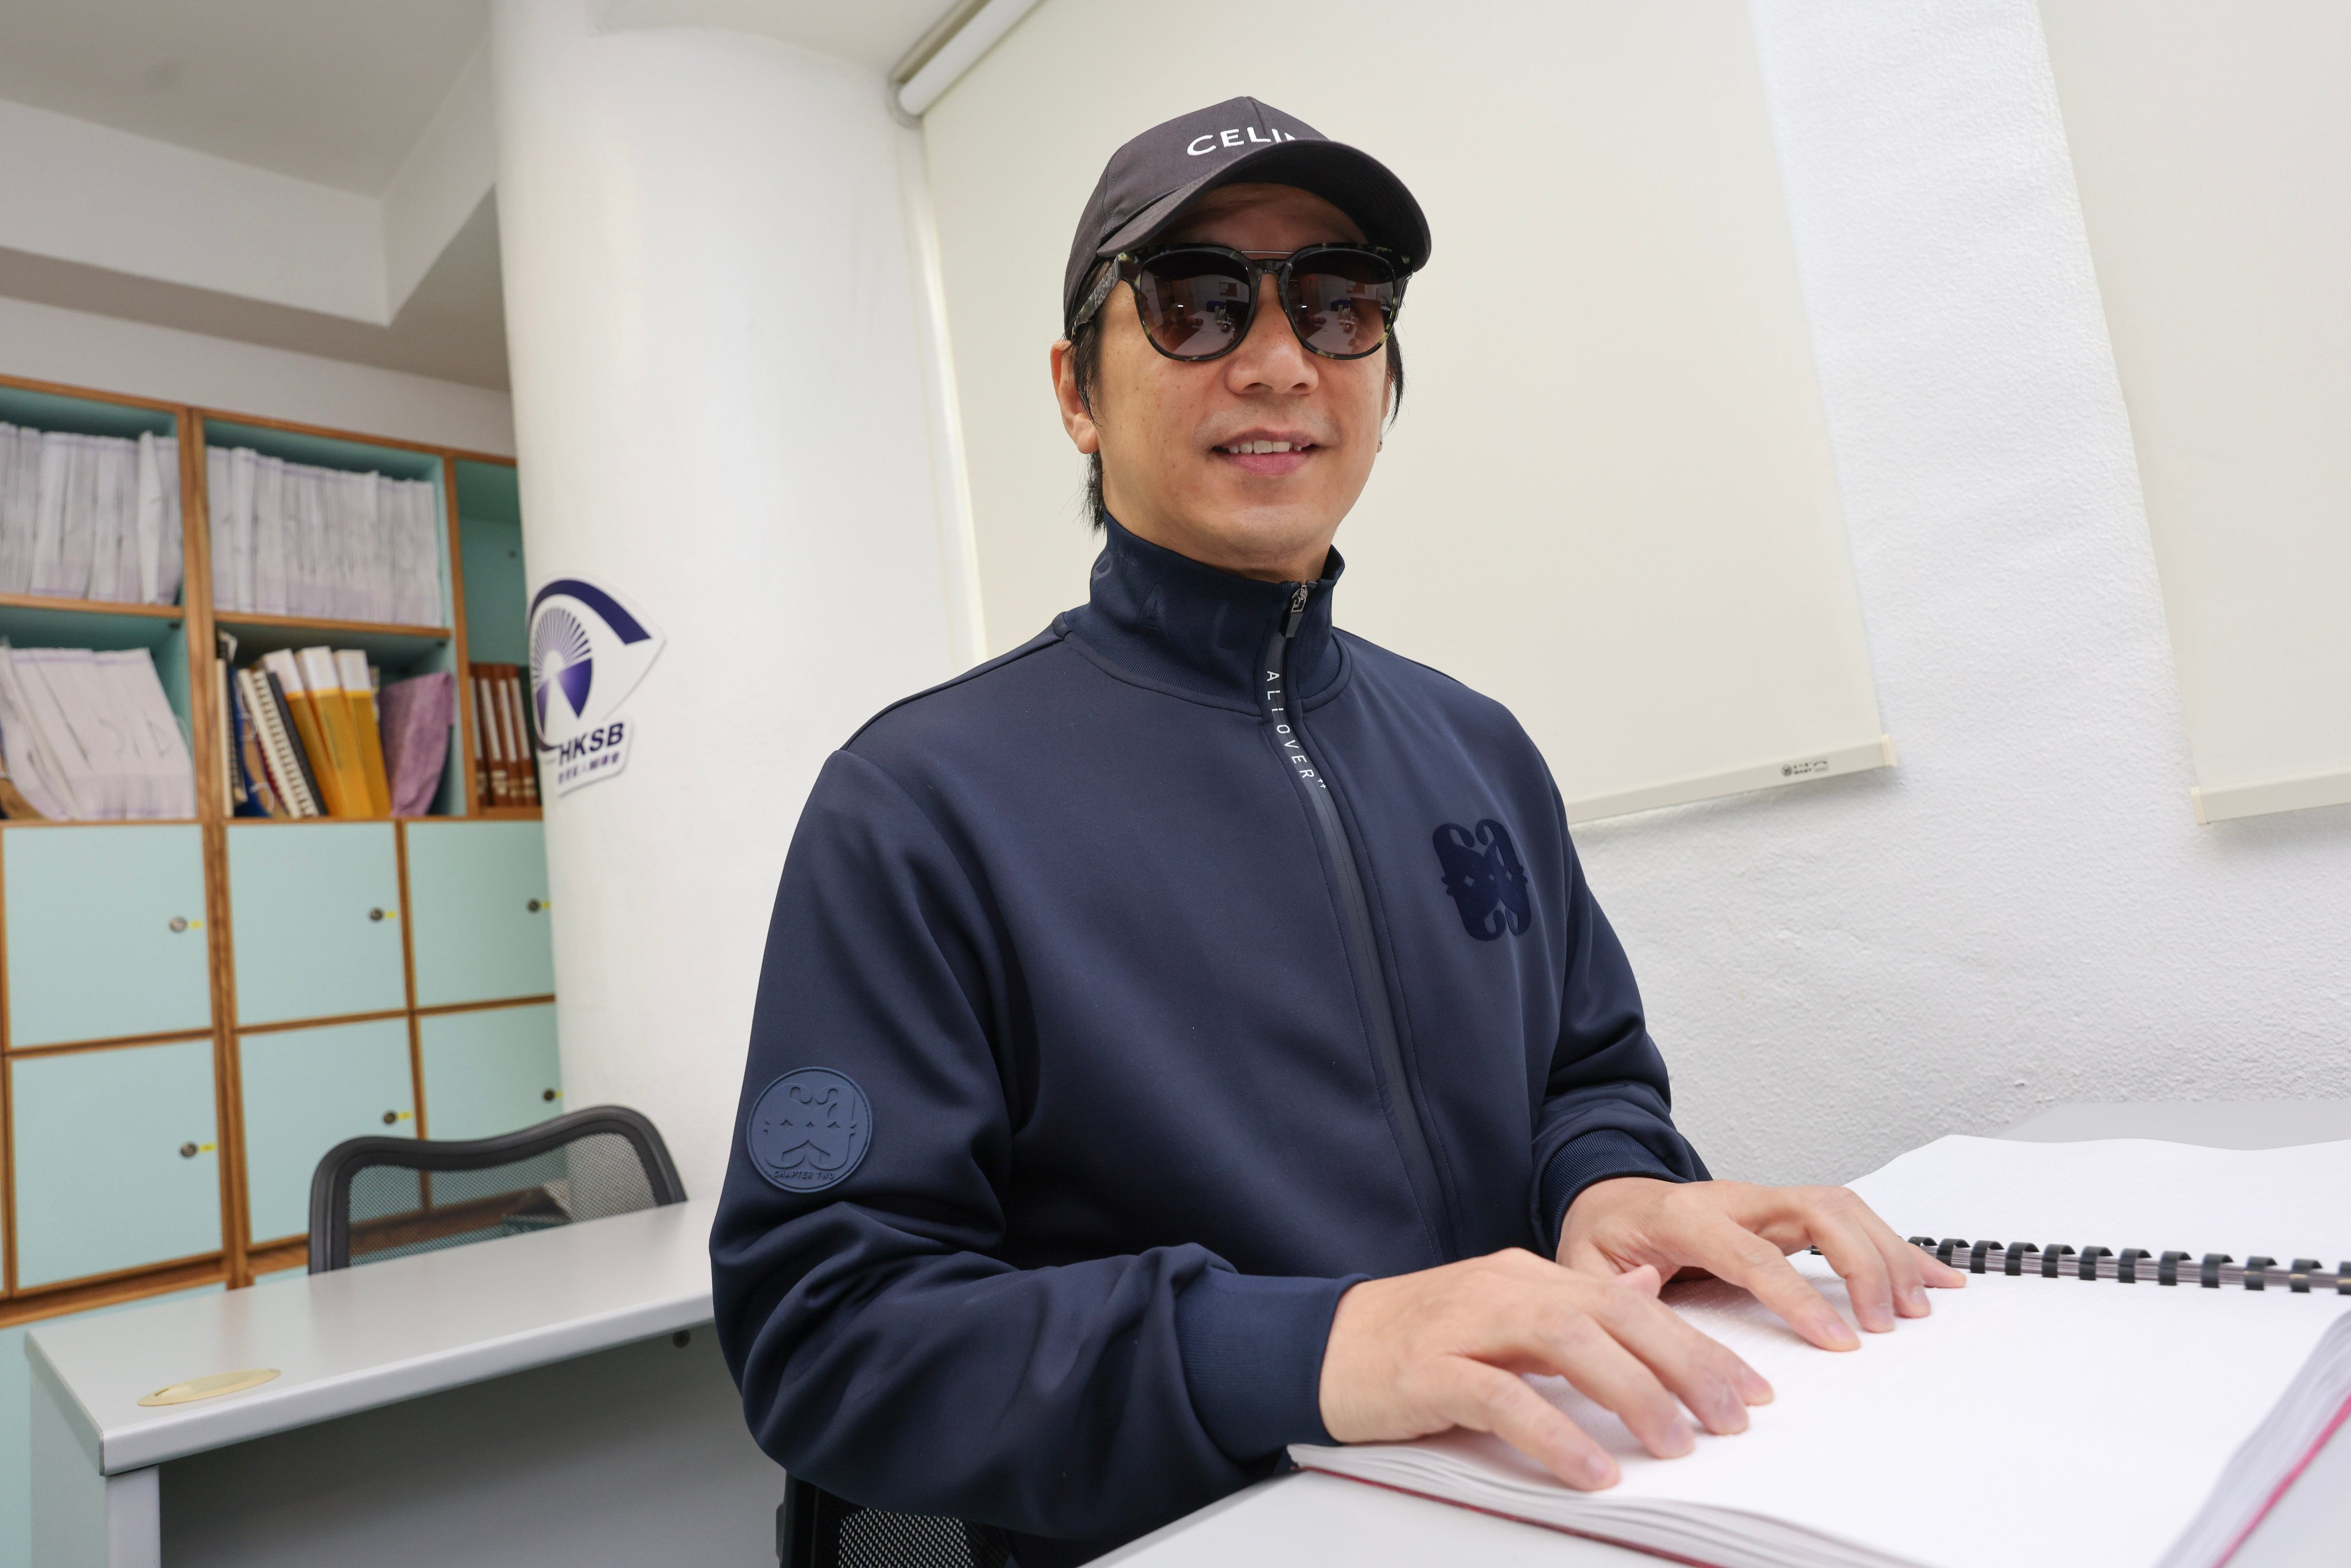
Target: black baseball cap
[1152, 179]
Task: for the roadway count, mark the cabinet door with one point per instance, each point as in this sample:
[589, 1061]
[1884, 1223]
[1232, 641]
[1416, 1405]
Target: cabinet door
[489, 1071]
[115, 1163]
[477, 898]
[106, 933]
[307, 1090]
[315, 919]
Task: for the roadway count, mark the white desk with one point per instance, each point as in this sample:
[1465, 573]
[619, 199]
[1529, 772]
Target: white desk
[514, 1402]
[1306, 1518]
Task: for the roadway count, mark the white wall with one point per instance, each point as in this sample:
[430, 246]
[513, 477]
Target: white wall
[2022, 913]
[42, 343]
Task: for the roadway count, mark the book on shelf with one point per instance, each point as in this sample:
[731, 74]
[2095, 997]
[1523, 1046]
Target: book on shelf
[400, 737]
[2138, 1407]
[89, 736]
[416, 716]
[360, 682]
[503, 740]
[89, 516]
[290, 538]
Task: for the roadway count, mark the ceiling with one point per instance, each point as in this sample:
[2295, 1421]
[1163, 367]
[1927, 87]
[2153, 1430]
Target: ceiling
[332, 91]
[336, 92]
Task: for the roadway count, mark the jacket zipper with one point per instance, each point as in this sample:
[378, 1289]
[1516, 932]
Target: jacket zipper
[1355, 910]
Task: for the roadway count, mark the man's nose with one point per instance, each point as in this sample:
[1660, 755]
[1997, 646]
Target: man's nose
[1272, 352]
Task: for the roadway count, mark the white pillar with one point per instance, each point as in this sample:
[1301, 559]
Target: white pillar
[728, 407]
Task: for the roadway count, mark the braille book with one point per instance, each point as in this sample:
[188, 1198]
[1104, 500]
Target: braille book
[2068, 1414]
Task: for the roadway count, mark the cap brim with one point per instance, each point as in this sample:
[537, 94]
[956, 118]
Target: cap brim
[1350, 179]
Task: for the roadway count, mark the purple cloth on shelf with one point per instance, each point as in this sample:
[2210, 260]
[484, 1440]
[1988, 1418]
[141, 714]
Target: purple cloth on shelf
[417, 713]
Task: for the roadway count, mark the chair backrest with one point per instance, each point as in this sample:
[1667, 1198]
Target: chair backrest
[815, 1529]
[375, 1198]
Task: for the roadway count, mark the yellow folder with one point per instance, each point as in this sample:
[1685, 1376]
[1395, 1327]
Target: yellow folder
[324, 683]
[359, 695]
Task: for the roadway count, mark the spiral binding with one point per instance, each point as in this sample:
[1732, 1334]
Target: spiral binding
[2136, 1265]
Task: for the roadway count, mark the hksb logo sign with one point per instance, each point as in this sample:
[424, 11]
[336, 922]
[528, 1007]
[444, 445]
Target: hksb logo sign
[588, 652]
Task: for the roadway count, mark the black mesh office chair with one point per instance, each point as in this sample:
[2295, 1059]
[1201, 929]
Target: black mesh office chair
[815, 1529]
[375, 1198]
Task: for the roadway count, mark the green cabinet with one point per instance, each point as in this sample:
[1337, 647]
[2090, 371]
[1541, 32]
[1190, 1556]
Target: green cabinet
[114, 1159]
[307, 1090]
[490, 1071]
[106, 932]
[477, 906]
[314, 917]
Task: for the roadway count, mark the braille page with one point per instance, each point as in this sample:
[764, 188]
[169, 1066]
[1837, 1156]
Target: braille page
[2028, 1421]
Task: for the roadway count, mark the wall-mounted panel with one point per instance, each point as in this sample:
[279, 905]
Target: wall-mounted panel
[2211, 142]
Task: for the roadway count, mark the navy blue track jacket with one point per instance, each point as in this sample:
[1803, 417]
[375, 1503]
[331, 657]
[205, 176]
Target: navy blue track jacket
[1126, 999]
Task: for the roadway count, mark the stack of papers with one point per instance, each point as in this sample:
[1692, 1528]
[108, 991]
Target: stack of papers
[89, 737]
[2028, 1421]
[292, 539]
[89, 516]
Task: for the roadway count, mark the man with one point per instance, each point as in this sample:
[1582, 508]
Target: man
[1191, 1033]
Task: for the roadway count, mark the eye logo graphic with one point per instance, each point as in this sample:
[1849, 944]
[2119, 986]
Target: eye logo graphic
[808, 1130]
[1485, 878]
[588, 652]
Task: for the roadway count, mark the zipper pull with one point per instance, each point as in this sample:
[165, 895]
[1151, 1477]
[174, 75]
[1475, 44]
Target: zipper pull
[1299, 593]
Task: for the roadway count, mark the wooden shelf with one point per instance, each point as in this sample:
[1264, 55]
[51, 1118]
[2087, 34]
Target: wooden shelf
[385, 643]
[174, 613]
[37, 621]
[260, 621]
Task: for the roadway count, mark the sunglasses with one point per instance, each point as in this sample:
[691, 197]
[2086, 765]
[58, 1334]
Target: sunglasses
[1196, 301]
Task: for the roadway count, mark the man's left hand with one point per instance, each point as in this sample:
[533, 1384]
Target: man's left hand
[1742, 1233]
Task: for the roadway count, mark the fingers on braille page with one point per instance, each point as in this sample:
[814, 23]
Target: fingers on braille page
[1488, 1399]
[1705, 1375]
[1581, 1349]
[1868, 1275]
[1737, 1254]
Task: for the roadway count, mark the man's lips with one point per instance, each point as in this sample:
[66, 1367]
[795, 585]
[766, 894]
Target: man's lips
[1270, 455]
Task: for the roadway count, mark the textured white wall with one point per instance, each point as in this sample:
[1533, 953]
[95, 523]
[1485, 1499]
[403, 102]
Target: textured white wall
[2024, 911]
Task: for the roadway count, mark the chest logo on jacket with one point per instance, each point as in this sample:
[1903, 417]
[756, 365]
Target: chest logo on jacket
[1483, 874]
[809, 1129]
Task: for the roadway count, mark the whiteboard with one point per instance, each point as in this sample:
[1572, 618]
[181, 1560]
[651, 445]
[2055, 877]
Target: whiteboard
[1613, 508]
[2211, 142]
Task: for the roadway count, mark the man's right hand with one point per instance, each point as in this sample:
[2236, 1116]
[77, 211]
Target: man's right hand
[1422, 1353]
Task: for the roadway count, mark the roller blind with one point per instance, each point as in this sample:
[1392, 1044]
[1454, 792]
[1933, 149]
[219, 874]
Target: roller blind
[1609, 500]
[2212, 142]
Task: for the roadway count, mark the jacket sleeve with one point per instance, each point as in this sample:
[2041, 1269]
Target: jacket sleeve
[1607, 1110]
[884, 1348]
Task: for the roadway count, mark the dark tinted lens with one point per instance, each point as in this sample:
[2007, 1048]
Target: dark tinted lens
[1338, 301]
[1194, 303]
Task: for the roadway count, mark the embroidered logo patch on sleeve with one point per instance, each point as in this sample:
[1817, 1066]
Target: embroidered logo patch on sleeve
[808, 1130]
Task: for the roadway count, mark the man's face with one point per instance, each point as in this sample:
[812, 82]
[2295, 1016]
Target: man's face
[1176, 439]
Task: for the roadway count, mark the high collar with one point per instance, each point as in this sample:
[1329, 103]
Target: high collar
[1170, 619]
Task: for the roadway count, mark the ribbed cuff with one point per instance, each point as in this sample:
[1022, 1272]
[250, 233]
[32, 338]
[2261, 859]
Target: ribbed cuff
[1597, 1155]
[1252, 1351]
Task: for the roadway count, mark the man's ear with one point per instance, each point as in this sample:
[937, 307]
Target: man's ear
[1076, 418]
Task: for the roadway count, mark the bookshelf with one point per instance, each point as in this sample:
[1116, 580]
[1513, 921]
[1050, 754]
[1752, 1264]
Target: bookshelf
[192, 1011]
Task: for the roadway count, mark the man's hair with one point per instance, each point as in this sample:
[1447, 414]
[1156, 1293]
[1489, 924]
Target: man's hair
[1085, 369]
